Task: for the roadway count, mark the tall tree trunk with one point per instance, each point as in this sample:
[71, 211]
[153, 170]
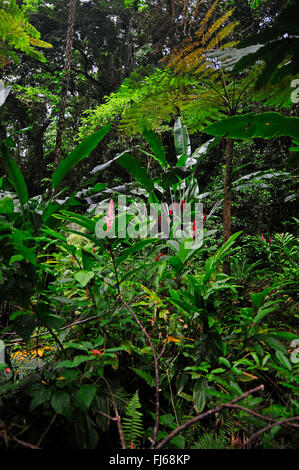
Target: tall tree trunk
[227, 198]
[66, 78]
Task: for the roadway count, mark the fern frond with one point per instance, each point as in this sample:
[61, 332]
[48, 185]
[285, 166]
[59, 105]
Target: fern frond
[221, 35]
[17, 33]
[206, 19]
[218, 23]
[132, 423]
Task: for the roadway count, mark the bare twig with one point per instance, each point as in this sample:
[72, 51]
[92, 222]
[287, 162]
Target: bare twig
[206, 414]
[117, 416]
[23, 443]
[271, 425]
[165, 344]
[258, 415]
[47, 429]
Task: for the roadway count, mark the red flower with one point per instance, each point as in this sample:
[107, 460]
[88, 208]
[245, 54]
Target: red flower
[170, 212]
[94, 250]
[183, 203]
[7, 370]
[158, 257]
[96, 352]
[270, 241]
[205, 217]
[262, 238]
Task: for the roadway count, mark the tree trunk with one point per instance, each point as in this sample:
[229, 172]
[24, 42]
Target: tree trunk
[65, 87]
[227, 198]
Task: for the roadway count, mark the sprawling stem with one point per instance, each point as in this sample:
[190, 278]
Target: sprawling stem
[157, 377]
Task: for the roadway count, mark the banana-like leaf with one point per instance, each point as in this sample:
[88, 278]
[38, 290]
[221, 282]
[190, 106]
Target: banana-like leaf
[78, 154]
[181, 139]
[134, 168]
[15, 175]
[249, 126]
[265, 125]
[155, 146]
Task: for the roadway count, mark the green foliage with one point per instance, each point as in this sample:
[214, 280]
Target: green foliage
[87, 319]
[279, 43]
[17, 33]
[132, 422]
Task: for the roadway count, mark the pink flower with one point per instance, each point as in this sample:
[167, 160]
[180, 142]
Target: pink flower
[110, 217]
[282, 235]
[262, 238]
[7, 370]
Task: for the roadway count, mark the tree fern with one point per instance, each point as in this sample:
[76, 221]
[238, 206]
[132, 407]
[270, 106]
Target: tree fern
[17, 33]
[132, 422]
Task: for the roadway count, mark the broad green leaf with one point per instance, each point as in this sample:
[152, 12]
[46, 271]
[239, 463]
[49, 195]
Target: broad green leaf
[249, 126]
[138, 246]
[41, 396]
[6, 205]
[155, 146]
[199, 395]
[86, 393]
[61, 403]
[53, 321]
[24, 325]
[69, 364]
[78, 154]
[87, 260]
[201, 152]
[134, 168]
[181, 139]
[83, 277]
[15, 175]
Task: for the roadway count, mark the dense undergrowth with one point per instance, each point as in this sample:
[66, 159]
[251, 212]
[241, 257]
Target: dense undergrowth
[118, 331]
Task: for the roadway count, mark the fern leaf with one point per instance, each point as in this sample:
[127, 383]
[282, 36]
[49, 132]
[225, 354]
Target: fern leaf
[216, 26]
[132, 423]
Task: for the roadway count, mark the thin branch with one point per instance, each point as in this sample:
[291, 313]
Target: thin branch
[206, 414]
[257, 415]
[23, 443]
[165, 344]
[117, 417]
[271, 425]
[157, 378]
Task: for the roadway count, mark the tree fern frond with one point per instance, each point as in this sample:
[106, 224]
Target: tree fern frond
[216, 26]
[17, 33]
[206, 19]
[221, 35]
